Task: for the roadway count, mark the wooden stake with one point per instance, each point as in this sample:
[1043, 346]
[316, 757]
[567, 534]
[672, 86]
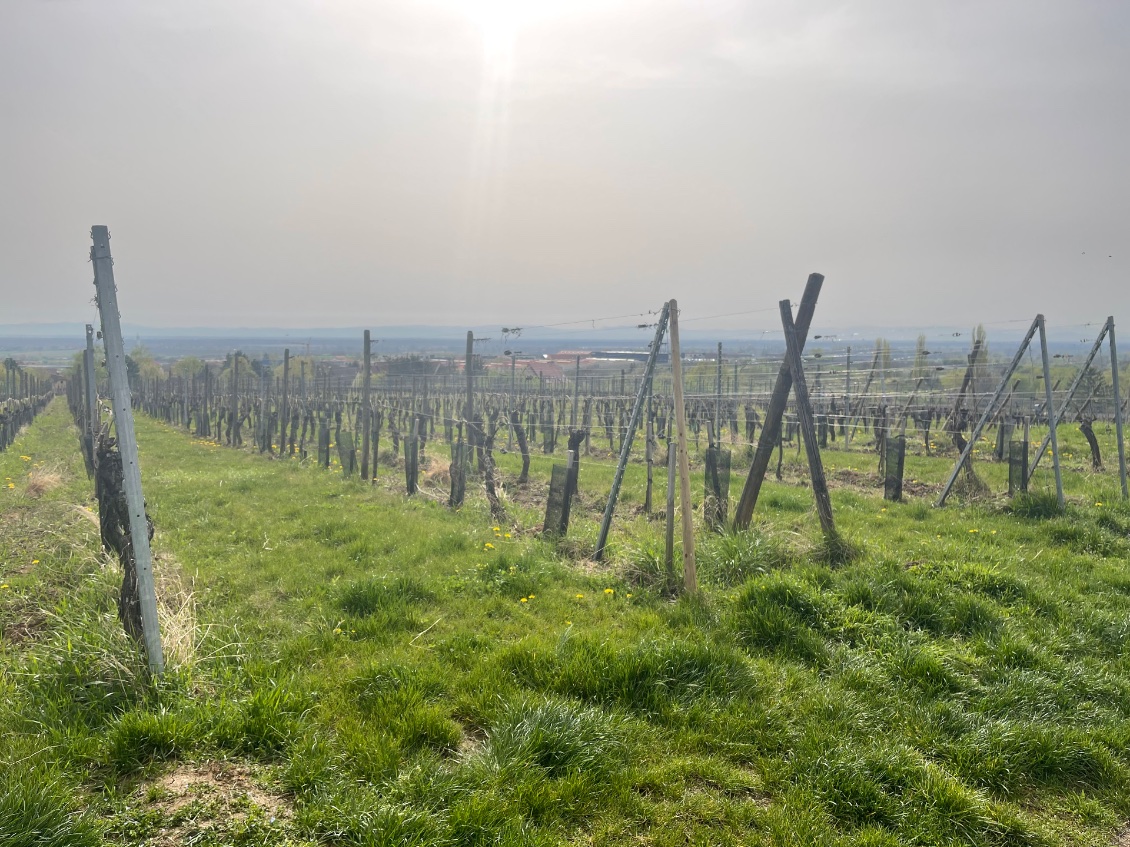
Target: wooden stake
[1053, 420]
[807, 425]
[626, 444]
[1117, 408]
[669, 557]
[366, 384]
[771, 427]
[976, 433]
[1075, 383]
[690, 574]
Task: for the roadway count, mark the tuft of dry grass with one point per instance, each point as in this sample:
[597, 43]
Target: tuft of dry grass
[176, 613]
[42, 481]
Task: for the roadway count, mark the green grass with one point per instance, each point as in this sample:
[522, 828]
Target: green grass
[391, 672]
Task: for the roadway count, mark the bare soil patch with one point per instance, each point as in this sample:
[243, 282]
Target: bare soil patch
[195, 798]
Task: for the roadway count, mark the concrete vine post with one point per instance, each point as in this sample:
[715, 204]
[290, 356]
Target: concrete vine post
[127, 442]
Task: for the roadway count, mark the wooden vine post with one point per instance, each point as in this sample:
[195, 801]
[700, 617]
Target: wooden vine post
[771, 428]
[284, 407]
[690, 574]
[366, 410]
[1053, 420]
[967, 450]
[107, 297]
[807, 424]
[92, 422]
[626, 445]
[1117, 408]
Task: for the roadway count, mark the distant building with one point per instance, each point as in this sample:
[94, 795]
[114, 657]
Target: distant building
[628, 355]
[549, 371]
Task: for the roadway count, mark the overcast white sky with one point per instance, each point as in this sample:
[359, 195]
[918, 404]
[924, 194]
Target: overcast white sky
[301, 163]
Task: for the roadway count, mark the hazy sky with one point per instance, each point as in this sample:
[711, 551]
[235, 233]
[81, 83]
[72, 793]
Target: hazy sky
[302, 163]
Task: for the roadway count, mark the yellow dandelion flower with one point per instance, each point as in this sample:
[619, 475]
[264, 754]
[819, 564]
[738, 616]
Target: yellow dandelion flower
[531, 596]
[495, 528]
[1098, 504]
[5, 586]
[974, 530]
[508, 534]
[11, 485]
[488, 546]
[567, 623]
[610, 591]
[523, 600]
[580, 596]
[627, 595]
[35, 561]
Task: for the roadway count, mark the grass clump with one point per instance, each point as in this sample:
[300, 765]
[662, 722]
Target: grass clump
[38, 809]
[783, 615]
[139, 738]
[558, 737]
[1035, 505]
[732, 557]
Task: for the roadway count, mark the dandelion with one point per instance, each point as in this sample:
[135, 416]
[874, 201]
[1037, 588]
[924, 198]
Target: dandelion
[26, 458]
[1098, 504]
[628, 596]
[883, 509]
[523, 600]
[531, 596]
[488, 546]
[580, 596]
[495, 528]
[11, 485]
[507, 535]
[610, 591]
[567, 623]
[35, 561]
[5, 587]
[974, 530]
[337, 630]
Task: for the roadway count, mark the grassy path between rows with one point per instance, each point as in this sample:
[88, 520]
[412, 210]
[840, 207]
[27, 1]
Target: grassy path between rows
[347, 666]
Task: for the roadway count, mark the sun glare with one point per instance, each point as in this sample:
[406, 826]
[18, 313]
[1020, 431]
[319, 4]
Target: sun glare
[500, 21]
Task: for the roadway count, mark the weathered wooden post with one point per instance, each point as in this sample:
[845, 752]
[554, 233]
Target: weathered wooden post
[976, 433]
[92, 421]
[366, 410]
[626, 446]
[107, 296]
[1117, 408]
[1053, 420]
[895, 462]
[718, 397]
[576, 394]
[284, 406]
[669, 534]
[690, 573]
[1018, 466]
[771, 426]
[807, 427]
